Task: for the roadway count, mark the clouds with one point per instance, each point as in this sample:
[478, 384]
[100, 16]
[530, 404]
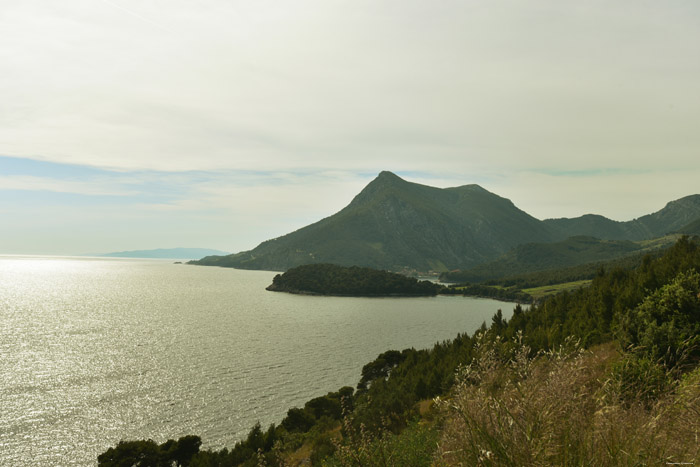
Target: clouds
[457, 92]
[71, 209]
[179, 85]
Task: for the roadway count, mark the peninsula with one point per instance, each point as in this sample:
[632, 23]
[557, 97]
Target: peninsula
[331, 279]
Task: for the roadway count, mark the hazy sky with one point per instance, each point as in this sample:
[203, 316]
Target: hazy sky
[131, 124]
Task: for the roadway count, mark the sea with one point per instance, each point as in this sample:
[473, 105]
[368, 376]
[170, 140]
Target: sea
[97, 350]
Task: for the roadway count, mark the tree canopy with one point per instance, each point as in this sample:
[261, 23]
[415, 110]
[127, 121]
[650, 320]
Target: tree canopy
[331, 279]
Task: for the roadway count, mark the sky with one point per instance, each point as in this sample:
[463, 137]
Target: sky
[145, 124]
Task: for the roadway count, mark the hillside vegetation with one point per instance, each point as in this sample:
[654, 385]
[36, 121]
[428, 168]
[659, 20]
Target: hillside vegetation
[573, 273]
[396, 225]
[534, 257]
[331, 279]
[604, 375]
[673, 217]
[691, 229]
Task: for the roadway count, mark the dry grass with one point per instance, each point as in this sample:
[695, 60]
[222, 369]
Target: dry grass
[557, 409]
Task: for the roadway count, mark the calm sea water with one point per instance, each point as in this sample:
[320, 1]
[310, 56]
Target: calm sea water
[93, 351]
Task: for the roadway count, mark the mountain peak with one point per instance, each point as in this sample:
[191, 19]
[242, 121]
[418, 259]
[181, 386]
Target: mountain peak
[388, 177]
[384, 182]
[473, 187]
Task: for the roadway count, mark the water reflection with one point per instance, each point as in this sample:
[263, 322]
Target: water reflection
[98, 350]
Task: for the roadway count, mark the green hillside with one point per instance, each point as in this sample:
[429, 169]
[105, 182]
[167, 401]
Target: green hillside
[691, 229]
[673, 217]
[396, 225]
[571, 274]
[533, 257]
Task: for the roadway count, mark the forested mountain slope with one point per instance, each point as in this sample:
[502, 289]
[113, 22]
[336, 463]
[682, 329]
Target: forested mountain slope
[397, 225]
[534, 257]
[691, 229]
[394, 224]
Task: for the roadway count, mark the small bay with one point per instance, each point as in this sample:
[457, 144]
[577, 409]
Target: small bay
[98, 350]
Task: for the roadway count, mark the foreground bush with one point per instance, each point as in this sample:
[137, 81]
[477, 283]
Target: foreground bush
[413, 447]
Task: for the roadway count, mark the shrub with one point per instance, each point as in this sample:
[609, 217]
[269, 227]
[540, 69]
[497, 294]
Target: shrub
[666, 326]
[637, 379]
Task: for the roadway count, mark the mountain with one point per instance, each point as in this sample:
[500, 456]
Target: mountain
[673, 217]
[396, 225]
[166, 253]
[534, 257]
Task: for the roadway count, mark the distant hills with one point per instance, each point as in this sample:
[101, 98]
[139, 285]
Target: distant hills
[674, 217]
[397, 225]
[166, 253]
